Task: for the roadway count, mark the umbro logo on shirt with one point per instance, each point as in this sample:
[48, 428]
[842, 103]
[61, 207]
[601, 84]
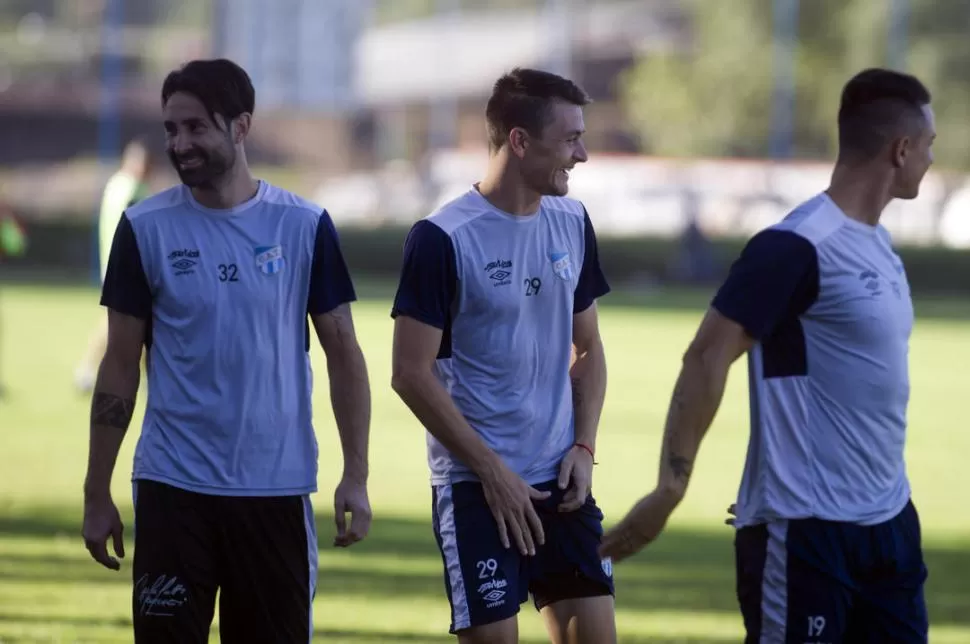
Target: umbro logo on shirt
[499, 272]
[184, 260]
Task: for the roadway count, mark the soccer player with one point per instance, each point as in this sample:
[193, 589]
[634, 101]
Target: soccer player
[13, 243]
[126, 187]
[828, 541]
[216, 278]
[496, 289]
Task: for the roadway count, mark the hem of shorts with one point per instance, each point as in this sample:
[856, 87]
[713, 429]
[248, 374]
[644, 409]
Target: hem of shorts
[469, 477]
[218, 490]
[882, 517]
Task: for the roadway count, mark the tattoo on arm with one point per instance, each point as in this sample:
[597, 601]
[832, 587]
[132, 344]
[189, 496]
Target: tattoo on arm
[577, 394]
[112, 411]
[680, 466]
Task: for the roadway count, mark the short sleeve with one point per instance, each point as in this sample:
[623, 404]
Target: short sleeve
[592, 283]
[125, 287]
[429, 276]
[775, 278]
[330, 283]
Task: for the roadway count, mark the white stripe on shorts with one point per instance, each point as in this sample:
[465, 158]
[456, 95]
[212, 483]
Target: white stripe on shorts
[447, 531]
[311, 553]
[774, 585]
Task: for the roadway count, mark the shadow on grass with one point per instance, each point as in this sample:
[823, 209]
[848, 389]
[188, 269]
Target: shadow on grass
[686, 571]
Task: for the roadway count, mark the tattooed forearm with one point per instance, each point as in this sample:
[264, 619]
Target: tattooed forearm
[112, 411]
[577, 394]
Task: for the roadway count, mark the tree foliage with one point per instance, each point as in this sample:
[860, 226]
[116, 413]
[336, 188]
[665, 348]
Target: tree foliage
[714, 98]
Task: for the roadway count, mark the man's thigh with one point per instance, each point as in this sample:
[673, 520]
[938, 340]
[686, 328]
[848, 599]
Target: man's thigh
[786, 597]
[570, 584]
[269, 549]
[175, 569]
[891, 606]
[484, 581]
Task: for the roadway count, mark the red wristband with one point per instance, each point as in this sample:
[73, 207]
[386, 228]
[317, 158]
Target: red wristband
[588, 449]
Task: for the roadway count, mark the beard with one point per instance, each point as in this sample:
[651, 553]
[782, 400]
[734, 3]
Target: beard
[198, 168]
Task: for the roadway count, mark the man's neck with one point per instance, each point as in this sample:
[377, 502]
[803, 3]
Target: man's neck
[504, 189]
[237, 187]
[859, 194]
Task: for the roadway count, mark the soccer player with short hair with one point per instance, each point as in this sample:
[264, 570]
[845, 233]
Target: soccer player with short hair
[496, 289]
[216, 278]
[828, 540]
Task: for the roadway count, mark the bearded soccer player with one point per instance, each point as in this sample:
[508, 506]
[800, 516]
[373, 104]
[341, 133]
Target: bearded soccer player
[217, 278]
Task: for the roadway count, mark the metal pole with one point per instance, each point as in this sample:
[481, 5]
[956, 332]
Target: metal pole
[109, 117]
[785, 15]
[443, 122]
[897, 42]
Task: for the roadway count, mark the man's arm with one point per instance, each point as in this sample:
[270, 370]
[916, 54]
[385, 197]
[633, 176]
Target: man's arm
[114, 400]
[588, 370]
[349, 387]
[588, 376]
[772, 283]
[414, 353]
[128, 298]
[422, 313]
[328, 304]
[697, 396]
[775, 279]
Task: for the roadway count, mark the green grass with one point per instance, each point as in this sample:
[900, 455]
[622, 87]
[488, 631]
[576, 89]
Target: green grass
[389, 588]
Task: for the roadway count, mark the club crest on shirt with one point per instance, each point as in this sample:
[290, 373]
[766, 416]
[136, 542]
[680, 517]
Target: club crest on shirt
[269, 259]
[561, 266]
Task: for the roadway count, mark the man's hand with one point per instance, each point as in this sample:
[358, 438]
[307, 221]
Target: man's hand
[578, 467]
[510, 499]
[639, 527]
[351, 496]
[733, 511]
[101, 520]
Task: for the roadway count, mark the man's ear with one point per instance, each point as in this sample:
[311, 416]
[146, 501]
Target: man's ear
[240, 127]
[518, 141]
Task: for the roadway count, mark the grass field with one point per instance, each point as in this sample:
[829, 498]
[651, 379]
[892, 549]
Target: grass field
[389, 588]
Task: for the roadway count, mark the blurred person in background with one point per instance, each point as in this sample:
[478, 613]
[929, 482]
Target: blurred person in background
[220, 278]
[13, 243]
[827, 542]
[498, 354]
[125, 187]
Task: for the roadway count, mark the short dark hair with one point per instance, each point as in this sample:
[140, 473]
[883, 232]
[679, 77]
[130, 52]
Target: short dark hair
[877, 105]
[221, 85]
[522, 98]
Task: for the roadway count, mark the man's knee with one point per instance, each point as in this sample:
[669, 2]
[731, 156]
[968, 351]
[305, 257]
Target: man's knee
[581, 620]
[503, 632]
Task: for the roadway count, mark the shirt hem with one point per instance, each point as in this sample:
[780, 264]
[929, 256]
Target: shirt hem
[869, 520]
[451, 478]
[221, 490]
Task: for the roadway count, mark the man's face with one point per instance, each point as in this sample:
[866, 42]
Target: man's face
[918, 158]
[549, 157]
[201, 151]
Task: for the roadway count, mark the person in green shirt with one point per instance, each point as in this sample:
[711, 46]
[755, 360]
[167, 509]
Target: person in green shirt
[125, 187]
[13, 243]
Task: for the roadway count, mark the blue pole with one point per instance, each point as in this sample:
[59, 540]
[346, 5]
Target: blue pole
[109, 118]
[898, 33]
[785, 18]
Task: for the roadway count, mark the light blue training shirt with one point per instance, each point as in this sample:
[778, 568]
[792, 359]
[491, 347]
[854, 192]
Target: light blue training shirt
[827, 300]
[503, 289]
[227, 294]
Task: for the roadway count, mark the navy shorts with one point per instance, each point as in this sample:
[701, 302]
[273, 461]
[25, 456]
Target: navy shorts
[823, 582]
[486, 582]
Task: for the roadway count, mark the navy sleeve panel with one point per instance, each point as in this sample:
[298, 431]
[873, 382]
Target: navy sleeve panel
[125, 287]
[592, 283]
[330, 283]
[775, 279]
[429, 276]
